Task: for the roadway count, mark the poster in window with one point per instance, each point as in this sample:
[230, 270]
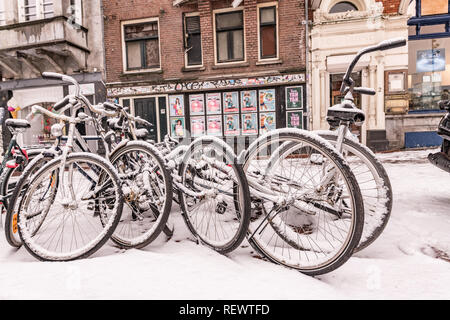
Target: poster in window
[248, 101]
[231, 123]
[294, 119]
[196, 104]
[267, 122]
[249, 124]
[294, 97]
[430, 60]
[197, 126]
[176, 105]
[213, 103]
[177, 127]
[214, 125]
[230, 102]
[267, 100]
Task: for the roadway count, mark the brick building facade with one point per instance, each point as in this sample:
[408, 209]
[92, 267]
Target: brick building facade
[207, 67]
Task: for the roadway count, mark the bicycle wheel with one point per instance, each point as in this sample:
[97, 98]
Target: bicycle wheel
[307, 208]
[147, 188]
[374, 184]
[10, 179]
[61, 220]
[214, 195]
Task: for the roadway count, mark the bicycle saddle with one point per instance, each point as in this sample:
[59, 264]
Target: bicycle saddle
[17, 123]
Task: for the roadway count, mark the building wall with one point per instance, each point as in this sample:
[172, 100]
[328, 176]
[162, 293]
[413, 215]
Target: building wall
[291, 39]
[336, 38]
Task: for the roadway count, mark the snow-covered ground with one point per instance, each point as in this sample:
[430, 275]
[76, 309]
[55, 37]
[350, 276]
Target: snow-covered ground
[411, 260]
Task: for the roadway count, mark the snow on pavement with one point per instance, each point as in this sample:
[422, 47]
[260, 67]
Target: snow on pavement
[409, 261]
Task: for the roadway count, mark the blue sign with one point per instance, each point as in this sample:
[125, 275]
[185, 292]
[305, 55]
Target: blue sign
[430, 60]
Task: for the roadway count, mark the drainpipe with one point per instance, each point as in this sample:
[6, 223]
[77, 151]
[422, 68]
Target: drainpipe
[308, 66]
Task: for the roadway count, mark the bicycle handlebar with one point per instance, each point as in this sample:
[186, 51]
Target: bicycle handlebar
[383, 45]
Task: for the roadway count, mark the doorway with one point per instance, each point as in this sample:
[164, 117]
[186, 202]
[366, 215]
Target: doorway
[152, 109]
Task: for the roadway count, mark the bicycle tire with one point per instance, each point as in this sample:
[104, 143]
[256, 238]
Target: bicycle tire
[374, 222]
[93, 245]
[149, 236]
[240, 192]
[11, 231]
[354, 232]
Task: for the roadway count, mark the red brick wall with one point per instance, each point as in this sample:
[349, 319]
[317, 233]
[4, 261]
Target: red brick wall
[390, 6]
[291, 38]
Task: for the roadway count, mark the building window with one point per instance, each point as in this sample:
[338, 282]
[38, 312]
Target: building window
[343, 6]
[2, 12]
[142, 46]
[76, 11]
[268, 32]
[434, 7]
[193, 41]
[35, 9]
[230, 36]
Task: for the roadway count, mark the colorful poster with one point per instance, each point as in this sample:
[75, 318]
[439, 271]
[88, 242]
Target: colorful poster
[197, 126]
[213, 103]
[267, 122]
[294, 97]
[294, 119]
[249, 124]
[196, 104]
[267, 100]
[177, 127]
[230, 102]
[176, 105]
[231, 123]
[248, 101]
[214, 125]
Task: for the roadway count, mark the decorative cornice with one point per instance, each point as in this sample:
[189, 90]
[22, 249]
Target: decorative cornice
[375, 10]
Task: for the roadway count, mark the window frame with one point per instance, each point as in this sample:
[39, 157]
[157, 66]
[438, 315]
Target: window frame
[39, 6]
[2, 13]
[351, 3]
[277, 32]
[77, 5]
[216, 44]
[124, 45]
[186, 62]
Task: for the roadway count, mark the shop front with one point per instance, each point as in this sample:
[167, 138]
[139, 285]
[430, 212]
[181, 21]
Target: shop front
[236, 110]
[428, 76]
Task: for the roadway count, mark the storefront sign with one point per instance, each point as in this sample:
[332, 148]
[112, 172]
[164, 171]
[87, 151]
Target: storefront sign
[248, 101]
[230, 102]
[294, 119]
[231, 122]
[206, 85]
[294, 97]
[430, 60]
[176, 105]
[267, 122]
[214, 125]
[213, 103]
[267, 100]
[196, 104]
[249, 124]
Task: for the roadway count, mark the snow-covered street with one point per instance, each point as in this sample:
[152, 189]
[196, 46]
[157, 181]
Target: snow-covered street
[411, 260]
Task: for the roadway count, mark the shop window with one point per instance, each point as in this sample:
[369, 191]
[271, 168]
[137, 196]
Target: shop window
[428, 79]
[343, 6]
[230, 36]
[268, 32]
[193, 41]
[2, 12]
[142, 46]
[434, 7]
[35, 9]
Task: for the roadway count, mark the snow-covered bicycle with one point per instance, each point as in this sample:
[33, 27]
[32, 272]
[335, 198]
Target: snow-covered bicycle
[372, 178]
